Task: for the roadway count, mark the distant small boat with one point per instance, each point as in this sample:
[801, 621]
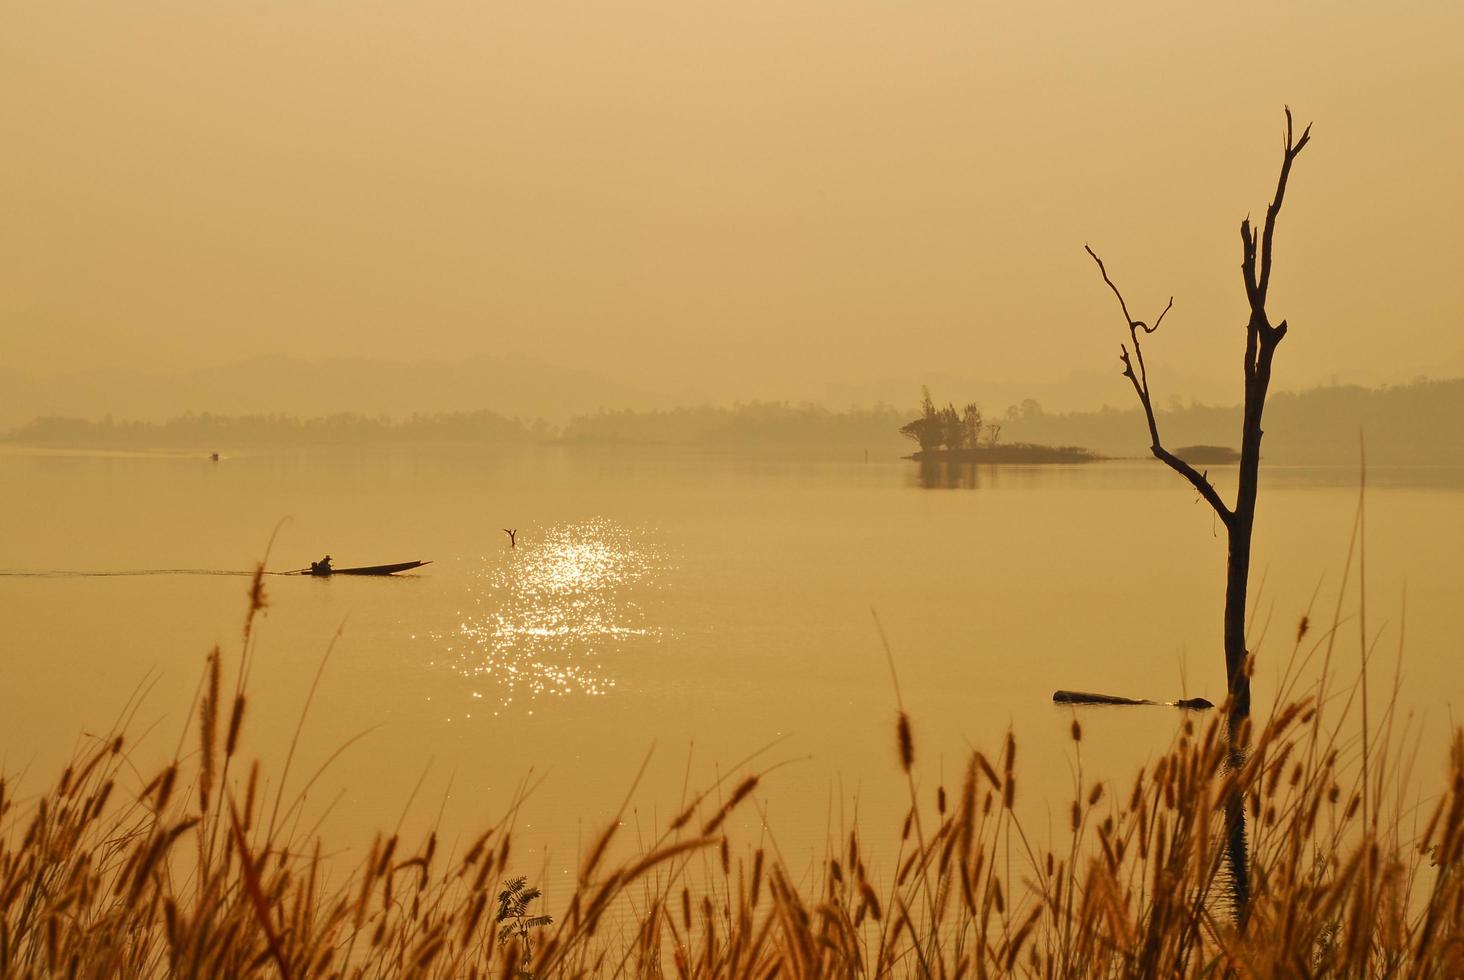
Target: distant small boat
[365, 569]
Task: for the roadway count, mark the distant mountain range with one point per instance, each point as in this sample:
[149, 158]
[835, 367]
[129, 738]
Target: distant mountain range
[1075, 392]
[512, 385]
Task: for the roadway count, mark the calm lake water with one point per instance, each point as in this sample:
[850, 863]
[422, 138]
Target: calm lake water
[698, 609]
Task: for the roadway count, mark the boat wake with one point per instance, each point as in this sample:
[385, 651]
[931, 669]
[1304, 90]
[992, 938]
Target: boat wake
[124, 573]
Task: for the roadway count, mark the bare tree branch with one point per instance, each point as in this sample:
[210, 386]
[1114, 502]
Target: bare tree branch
[1248, 263]
[1140, 380]
[1167, 308]
[1104, 272]
[1292, 149]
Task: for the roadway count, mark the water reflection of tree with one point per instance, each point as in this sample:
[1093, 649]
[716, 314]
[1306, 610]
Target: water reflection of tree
[937, 474]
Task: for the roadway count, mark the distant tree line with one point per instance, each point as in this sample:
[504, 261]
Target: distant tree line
[210, 432]
[756, 424]
[1417, 423]
[1414, 423]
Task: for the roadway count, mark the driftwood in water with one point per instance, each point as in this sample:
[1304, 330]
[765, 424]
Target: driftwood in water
[1083, 697]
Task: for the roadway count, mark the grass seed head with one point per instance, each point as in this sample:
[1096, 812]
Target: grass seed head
[906, 742]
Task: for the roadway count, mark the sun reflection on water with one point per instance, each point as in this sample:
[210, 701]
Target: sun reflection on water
[545, 612]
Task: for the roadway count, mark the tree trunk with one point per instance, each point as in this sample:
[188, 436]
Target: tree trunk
[1242, 520]
[1237, 580]
[1241, 528]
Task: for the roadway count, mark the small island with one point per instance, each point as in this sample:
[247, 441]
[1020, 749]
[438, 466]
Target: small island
[1207, 454]
[948, 435]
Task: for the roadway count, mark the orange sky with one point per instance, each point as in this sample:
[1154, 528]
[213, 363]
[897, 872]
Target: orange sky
[738, 196]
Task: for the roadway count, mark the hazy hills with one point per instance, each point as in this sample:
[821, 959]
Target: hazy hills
[1414, 423]
[516, 385]
[518, 399]
[510, 385]
[513, 385]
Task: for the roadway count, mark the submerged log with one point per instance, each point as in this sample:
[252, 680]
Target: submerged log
[1083, 697]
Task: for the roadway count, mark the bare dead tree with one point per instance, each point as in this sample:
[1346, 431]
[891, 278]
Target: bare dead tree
[1262, 338]
[512, 533]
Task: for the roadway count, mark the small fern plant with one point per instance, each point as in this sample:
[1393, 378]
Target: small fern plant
[514, 917]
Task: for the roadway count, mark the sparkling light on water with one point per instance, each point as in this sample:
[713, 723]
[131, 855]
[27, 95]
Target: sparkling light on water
[545, 613]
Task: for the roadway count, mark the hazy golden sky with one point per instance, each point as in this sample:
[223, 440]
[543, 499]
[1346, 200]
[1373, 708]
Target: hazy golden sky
[727, 194]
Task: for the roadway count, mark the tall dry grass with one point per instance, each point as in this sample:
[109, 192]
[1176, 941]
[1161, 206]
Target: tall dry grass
[189, 871]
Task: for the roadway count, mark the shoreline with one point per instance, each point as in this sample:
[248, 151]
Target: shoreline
[1014, 453]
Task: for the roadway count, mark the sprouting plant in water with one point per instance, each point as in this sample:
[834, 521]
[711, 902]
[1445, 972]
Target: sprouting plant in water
[513, 913]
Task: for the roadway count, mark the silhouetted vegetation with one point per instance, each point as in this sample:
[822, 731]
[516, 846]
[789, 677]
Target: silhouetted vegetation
[516, 920]
[945, 428]
[192, 869]
[948, 435]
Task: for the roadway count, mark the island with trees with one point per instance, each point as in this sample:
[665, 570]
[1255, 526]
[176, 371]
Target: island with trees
[964, 436]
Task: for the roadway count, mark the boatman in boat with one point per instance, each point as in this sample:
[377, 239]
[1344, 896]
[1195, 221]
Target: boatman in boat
[321, 567]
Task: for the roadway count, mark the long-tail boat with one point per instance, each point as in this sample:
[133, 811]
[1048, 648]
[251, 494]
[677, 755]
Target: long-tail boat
[320, 571]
